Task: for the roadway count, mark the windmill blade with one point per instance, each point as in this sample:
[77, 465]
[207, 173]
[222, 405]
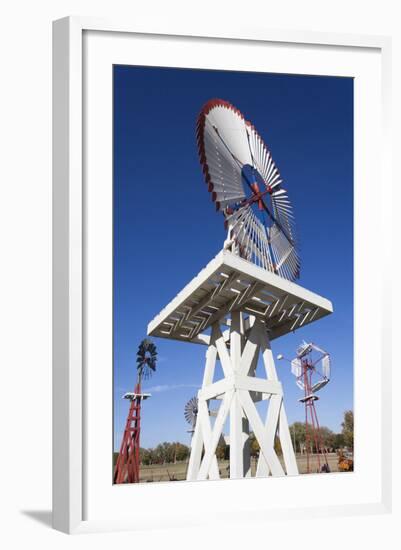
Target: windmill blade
[320, 350]
[223, 150]
[319, 385]
[305, 351]
[250, 236]
[326, 366]
[284, 254]
[296, 367]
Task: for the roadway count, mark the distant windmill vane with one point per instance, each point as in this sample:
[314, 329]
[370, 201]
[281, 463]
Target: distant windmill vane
[191, 412]
[311, 368]
[246, 186]
[128, 461]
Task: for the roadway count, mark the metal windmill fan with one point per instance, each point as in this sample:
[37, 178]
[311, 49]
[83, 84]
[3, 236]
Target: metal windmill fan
[146, 358]
[246, 186]
[191, 411]
[304, 366]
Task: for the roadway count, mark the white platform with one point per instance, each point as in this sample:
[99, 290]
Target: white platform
[132, 396]
[229, 283]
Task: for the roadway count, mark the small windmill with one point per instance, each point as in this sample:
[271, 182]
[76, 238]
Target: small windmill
[127, 466]
[191, 413]
[311, 368]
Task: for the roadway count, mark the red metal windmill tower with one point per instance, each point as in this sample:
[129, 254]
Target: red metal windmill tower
[128, 461]
[305, 368]
[311, 368]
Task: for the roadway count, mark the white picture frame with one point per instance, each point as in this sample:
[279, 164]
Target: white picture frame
[70, 260]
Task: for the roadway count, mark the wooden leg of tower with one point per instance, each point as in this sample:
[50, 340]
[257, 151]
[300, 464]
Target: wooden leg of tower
[236, 415]
[211, 355]
[283, 429]
[246, 446]
[264, 434]
[249, 371]
[262, 468]
[197, 443]
[267, 354]
[286, 444]
[236, 440]
[212, 437]
[196, 454]
[196, 457]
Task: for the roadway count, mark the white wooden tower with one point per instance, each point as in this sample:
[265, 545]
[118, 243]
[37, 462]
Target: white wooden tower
[236, 308]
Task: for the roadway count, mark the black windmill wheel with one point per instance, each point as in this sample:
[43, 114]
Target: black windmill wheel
[146, 359]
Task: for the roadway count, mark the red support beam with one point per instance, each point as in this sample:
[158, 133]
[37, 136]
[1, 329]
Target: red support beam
[127, 466]
[313, 439]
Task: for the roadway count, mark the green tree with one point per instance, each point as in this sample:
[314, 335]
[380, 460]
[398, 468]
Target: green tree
[165, 453]
[338, 441]
[160, 453]
[221, 449]
[254, 445]
[277, 446]
[348, 429]
[327, 437]
[298, 436]
[169, 452]
[181, 452]
[297, 433]
[146, 456]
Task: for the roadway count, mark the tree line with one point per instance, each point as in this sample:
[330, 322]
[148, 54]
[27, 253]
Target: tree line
[168, 453]
[330, 440]
[165, 453]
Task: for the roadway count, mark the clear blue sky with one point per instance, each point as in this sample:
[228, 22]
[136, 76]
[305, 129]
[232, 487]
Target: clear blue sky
[166, 228]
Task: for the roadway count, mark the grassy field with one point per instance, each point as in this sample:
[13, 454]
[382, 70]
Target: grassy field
[177, 472]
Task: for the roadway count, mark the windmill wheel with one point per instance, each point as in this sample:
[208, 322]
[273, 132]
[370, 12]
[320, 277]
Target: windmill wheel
[246, 187]
[146, 358]
[191, 411]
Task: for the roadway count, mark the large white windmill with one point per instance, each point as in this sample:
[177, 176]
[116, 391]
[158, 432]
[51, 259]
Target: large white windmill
[244, 298]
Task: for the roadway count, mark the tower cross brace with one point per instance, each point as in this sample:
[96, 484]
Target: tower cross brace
[238, 391]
